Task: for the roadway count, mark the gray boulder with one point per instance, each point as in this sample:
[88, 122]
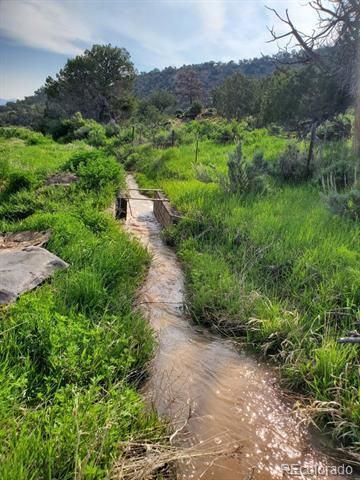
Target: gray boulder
[23, 270]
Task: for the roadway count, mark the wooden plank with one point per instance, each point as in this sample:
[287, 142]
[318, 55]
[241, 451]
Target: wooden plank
[145, 199]
[120, 207]
[163, 211]
[349, 340]
[144, 189]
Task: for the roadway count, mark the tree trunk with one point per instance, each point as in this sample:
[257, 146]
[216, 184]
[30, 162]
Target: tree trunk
[357, 125]
[310, 156]
[356, 138]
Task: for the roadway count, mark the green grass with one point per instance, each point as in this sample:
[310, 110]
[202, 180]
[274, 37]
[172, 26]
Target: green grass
[71, 352]
[278, 268]
[48, 156]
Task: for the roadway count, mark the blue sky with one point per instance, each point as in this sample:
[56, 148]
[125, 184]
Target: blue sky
[37, 36]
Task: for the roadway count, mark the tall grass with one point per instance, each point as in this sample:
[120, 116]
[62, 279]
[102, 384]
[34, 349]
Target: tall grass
[71, 352]
[278, 268]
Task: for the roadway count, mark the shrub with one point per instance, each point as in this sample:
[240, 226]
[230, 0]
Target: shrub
[204, 173]
[20, 205]
[30, 137]
[81, 158]
[78, 128]
[245, 177]
[336, 129]
[346, 204]
[225, 134]
[19, 181]
[96, 137]
[291, 165]
[337, 167]
[91, 132]
[238, 181]
[63, 130]
[194, 110]
[99, 172]
[112, 129]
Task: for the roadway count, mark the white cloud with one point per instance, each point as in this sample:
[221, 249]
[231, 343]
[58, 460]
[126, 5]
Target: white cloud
[169, 31]
[45, 24]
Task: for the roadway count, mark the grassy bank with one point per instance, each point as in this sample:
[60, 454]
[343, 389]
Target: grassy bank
[278, 268]
[72, 351]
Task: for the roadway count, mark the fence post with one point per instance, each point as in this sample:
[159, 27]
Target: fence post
[133, 134]
[196, 148]
[120, 207]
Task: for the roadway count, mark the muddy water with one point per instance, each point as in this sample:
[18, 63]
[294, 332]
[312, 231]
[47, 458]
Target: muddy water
[202, 383]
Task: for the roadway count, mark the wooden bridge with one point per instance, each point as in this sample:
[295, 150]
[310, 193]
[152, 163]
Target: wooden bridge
[164, 213]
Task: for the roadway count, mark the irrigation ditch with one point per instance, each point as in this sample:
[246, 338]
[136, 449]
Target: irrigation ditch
[217, 397]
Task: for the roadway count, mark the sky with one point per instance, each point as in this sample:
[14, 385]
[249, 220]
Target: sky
[38, 36]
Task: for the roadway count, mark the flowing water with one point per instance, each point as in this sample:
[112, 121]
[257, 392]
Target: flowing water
[215, 395]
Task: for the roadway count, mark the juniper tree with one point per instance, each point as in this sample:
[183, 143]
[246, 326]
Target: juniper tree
[333, 46]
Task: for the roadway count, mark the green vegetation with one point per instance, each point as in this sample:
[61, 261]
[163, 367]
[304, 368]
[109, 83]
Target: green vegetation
[72, 351]
[273, 265]
[268, 183]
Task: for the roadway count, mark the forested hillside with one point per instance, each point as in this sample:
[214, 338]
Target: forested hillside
[211, 74]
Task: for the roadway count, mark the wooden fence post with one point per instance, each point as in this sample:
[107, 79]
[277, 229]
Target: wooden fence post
[196, 148]
[120, 207]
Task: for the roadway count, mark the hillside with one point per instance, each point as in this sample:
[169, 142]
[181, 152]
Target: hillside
[210, 74]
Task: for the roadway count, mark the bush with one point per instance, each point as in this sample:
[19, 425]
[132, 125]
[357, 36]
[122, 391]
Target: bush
[19, 181]
[346, 204]
[238, 181]
[112, 129]
[99, 172]
[338, 128]
[78, 128]
[91, 132]
[30, 137]
[245, 177]
[204, 173]
[194, 110]
[337, 167]
[63, 130]
[225, 135]
[20, 205]
[96, 137]
[81, 158]
[291, 165]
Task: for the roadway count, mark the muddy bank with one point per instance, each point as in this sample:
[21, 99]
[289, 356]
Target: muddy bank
[220, 395]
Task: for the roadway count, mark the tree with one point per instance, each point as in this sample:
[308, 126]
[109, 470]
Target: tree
[27, 113]
[162, 100]
[194, 110]
[237, 97]
[188, 86]
[338, 28]
[97, 83]
[292, 95]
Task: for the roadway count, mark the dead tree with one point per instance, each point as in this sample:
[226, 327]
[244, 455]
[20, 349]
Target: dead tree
[338, 27]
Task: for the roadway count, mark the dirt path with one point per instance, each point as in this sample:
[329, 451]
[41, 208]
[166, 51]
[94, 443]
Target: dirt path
[229, 398]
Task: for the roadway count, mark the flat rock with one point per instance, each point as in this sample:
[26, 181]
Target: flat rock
[23, 270]
[26, 238]
[61, 178]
